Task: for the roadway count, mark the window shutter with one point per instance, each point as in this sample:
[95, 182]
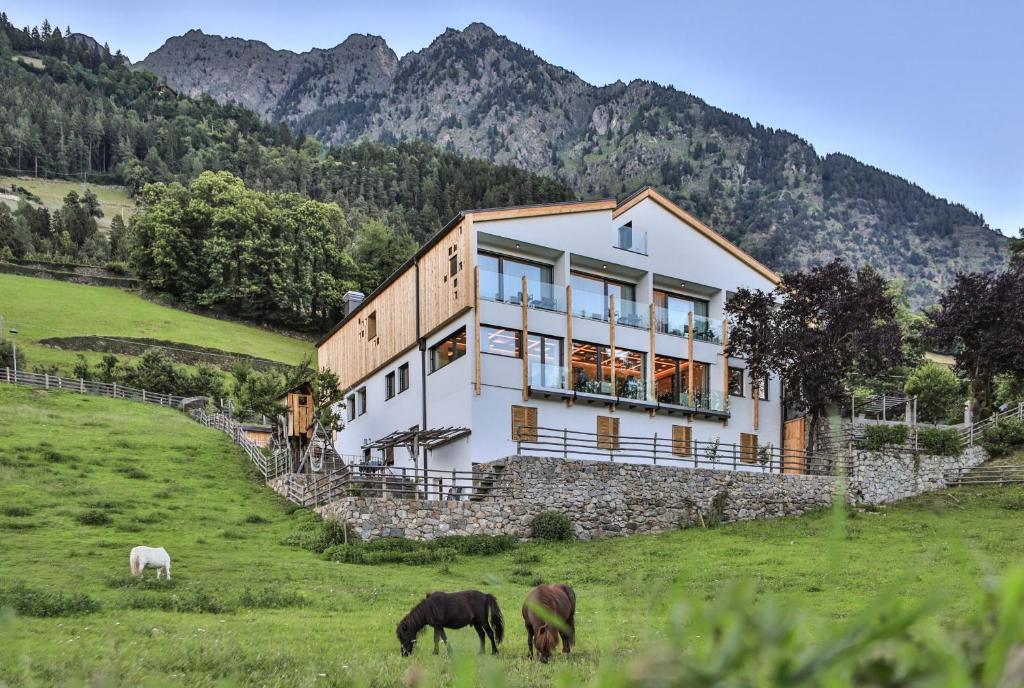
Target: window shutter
[524, 423]
[607, 432]
[748, 447]
[682, 440]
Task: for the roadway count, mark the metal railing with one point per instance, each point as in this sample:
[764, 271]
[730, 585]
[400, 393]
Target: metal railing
[82, 386]
[375, 481]
[568, 444]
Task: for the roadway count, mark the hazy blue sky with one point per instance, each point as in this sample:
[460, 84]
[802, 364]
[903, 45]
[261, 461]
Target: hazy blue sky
[931, 91]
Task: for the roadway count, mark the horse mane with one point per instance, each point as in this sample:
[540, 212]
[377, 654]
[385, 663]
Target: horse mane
[419, 616]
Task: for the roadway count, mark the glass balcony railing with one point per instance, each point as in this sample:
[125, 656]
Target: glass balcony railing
[629, 239]
[547, 375]
[677, 323]
[593, 306]
[583, 383]
[632, 314]
[704, 400]
[509, 289]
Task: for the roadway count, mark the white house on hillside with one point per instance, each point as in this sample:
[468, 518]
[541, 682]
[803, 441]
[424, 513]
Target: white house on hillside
[590, 319]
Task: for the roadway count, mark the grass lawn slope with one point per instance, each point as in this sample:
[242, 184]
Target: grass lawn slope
[41, 308]
[113, 199]
[84, 479]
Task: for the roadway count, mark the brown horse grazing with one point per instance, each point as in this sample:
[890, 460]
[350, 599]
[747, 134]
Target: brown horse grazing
[453, 610]
[560, 602]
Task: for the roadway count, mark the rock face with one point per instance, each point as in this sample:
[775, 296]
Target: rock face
[488, 97]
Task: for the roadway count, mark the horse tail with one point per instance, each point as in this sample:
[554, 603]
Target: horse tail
[496, 619]
[133, 562]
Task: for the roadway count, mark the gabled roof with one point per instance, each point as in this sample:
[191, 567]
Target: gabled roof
[650, 193]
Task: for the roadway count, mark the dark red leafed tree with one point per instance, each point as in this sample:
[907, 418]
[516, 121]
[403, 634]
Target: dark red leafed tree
[815, 330]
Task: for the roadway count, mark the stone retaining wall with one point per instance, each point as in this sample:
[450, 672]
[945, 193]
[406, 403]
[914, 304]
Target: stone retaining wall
[890, 475]
[603, 499]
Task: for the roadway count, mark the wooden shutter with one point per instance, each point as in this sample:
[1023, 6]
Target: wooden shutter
[524, 423]
[682, 440]
[748, 447]
[607, 432]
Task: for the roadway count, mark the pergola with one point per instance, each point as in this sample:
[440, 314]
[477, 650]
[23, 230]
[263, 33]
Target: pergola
[415, 439]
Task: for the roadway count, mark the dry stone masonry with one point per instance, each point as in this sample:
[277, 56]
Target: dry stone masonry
[890, 475]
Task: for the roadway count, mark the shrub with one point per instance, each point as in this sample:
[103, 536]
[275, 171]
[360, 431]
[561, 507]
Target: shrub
[551, 525]
[17, 511]
[133, 472]
[483, 545]
[93, 517]
[194, 601]
[254, 519]
[46, 603]
[937, 390]
[392, 551]
[939, 441]
[318, 535]
[141, 582]
[880, 436]
[1000, 440]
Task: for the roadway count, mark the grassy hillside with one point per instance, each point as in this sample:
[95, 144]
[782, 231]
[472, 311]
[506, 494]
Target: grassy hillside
[41, 308]
[159, 479]
[51, 192]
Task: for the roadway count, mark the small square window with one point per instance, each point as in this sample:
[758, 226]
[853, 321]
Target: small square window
[736, 382]
[453, 265]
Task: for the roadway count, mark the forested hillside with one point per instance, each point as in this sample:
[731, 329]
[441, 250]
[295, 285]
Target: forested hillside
[70, 109]
[483, 95]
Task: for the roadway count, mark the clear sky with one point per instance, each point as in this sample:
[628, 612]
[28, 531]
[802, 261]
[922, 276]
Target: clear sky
[930, 90]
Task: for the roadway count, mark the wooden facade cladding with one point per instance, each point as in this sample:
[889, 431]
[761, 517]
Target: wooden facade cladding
[446, 290]
[446, 283]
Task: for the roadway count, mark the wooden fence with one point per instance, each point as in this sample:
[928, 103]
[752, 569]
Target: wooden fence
[102, 389]
[970, 434]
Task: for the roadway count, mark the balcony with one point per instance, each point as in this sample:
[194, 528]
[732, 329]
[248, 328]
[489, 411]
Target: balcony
[632, 240]
[676, 323]
[547, 375]
[509, 289]
[593, 306]
[707, 401]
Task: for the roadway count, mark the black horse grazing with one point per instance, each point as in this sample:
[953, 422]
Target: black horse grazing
[560, 602]
[453, 610]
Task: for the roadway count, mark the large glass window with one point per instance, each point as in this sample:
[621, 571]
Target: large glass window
[673, 312]
[591, 371]
[735, 382]
[499, 341]
[590, 298]
[501, 279]
[672, 380]
[448, 350]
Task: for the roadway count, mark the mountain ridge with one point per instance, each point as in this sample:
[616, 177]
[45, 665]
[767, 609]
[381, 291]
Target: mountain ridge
[481, 94]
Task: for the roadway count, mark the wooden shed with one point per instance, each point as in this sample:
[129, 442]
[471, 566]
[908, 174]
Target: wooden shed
[259, 434]
[297, 404]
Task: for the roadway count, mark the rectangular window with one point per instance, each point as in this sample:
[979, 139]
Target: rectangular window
[501, 279]
[371, 325]
[629, 239]
[762, 389]
[448, 350]
[350, 406]
[590, 298]
[607, 432]
[748, 447]
[361, 400]
[389, 386]
[672, 313]
[672, 380]
[499, 341]
[524, 424]
[591, 371]
[453, 265]
[403, 377]
[735, 382]
[682, 440]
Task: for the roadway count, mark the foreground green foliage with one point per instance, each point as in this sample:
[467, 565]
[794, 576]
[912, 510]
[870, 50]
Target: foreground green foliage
[244, 609]
[1004, 438]
[879, 437]
[551, 525]
[937, 390]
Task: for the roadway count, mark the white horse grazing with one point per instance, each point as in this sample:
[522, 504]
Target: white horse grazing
[151, 557]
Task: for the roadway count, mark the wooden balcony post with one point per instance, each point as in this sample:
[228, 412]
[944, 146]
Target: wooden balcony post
[689, 364]
[476, 328]
[650, 357]
[568, 340]
[611, 338]
[725, 370]
[524, 306]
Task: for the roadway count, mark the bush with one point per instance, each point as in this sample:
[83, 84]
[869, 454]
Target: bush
[881, 436]
[318, 536]
[391, 551]
[1000, 440]
[254, 519]
[194, 601]
[937, 390]
[551, 525]
[939, 441]
[46, 603]
[270, 598]
[17, 511]
[483, 545]
[93, 517]
[141, 582]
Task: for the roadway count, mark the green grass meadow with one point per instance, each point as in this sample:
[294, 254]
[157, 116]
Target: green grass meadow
[113, 199]
[41, 308]
[84, 479]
